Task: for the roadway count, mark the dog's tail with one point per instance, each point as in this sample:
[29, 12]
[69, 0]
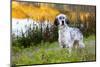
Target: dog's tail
[81, 27]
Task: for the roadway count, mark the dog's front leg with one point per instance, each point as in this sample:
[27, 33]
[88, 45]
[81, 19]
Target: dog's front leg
[69, 51]
[60, 44]
[70, 48]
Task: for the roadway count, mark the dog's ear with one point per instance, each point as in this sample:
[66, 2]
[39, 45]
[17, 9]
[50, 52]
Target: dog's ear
[56, 22]
[67, 21]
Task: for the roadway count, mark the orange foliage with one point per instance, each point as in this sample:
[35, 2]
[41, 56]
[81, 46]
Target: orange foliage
[84, 16]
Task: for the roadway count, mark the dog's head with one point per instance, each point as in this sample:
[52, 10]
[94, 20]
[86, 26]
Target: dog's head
[61, 20]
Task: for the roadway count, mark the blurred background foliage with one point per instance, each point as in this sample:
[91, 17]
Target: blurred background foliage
[77, 14]
[48, 11]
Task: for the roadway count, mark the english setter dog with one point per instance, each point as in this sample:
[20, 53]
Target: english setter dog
[68, 36]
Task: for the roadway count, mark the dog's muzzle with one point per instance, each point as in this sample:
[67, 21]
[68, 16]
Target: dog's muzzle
[62, 22]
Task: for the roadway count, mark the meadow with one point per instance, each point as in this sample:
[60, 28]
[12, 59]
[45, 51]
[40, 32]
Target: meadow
[48, 53]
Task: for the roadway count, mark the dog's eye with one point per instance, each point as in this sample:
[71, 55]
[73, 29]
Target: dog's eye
[60, 17]
[63, 17]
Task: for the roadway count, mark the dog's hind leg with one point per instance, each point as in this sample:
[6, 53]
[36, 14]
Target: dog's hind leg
[81, 47]
[81, 44]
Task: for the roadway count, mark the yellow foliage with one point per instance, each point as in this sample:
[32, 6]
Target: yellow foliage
[46, 12]
[17, 12]
[37, 13]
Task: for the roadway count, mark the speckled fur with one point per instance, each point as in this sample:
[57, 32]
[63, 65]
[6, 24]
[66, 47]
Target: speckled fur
[68, 35]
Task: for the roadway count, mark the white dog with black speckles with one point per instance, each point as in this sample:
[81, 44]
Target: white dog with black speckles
[68, 35]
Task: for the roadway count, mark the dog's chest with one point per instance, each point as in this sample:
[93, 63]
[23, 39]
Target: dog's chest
[64, 35]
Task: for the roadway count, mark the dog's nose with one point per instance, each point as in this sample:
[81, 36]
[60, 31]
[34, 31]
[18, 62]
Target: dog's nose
[62, 22]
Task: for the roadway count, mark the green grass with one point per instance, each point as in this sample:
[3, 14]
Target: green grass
[52, 53]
